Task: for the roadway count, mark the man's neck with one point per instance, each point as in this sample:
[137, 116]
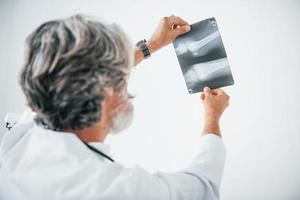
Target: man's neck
[95, 133]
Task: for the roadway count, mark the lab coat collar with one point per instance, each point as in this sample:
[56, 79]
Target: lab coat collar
[25, 123]
[12, 137]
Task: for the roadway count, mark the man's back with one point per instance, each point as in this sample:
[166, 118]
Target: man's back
[37, 163]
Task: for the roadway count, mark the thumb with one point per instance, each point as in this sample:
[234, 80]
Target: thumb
[206, 91]
[183, 29]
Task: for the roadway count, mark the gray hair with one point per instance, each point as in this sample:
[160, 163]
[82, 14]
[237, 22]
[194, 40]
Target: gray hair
[68, 64]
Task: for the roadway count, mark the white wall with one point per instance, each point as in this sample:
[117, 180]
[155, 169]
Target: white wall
[261, 126]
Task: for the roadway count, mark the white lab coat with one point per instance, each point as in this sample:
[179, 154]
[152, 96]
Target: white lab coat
[41, 164]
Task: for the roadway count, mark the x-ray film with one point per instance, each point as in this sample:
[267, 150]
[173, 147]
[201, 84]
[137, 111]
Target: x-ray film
[202, 57]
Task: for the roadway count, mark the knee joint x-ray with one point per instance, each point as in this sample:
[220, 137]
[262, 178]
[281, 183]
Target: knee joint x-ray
[202, 57]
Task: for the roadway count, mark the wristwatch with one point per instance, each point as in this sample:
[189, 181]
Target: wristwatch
[143, 46]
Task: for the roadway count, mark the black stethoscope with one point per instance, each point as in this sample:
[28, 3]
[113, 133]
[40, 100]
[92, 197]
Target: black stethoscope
[98, 152]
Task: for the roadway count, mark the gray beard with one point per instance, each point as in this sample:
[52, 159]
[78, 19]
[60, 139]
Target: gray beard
[122, 119]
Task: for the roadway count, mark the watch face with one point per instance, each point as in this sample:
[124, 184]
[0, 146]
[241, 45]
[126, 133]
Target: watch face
[141, 43]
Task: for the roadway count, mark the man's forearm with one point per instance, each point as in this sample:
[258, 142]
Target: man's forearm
[211, 125]
[138, 56]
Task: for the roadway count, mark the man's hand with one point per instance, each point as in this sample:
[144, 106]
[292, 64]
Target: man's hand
[214, 101]
[167, 30]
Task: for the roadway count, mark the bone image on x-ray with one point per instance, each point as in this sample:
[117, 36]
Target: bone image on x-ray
[206, 71]
[195, 48]
[202, 57]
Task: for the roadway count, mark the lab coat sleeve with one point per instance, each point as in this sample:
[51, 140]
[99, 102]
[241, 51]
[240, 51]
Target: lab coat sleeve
[200, 180]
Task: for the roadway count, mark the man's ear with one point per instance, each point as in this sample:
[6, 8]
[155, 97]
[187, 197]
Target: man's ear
[108, 91]
[107, 103]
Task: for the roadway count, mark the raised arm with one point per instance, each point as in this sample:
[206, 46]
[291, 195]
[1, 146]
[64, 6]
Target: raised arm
[200, 180]
[167, 30]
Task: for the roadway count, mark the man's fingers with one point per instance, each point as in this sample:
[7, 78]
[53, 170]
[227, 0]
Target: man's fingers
[218, 91]
[206, 91]
[227, 104]
[179, 25]
[180, 21]
[182, 29]
[177, 20]
[215, 91]
[202, 96]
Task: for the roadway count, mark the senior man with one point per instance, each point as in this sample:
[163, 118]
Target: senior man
[75, 83]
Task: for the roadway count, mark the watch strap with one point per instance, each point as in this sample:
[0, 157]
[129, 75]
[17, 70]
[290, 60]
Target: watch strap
[143, 46]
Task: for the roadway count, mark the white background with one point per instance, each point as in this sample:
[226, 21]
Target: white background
[261, 126]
